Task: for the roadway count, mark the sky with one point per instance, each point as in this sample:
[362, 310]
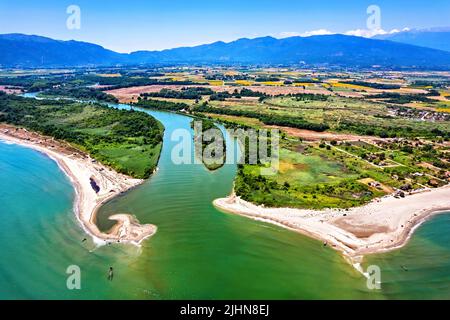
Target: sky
[131, 25]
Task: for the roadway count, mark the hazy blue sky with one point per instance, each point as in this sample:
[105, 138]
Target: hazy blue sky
[129, 25]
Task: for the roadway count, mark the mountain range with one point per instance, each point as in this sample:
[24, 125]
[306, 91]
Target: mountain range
[19, 50]
[435, 38]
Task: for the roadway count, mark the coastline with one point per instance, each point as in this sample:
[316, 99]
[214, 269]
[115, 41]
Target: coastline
[84, 171]
[383, 225]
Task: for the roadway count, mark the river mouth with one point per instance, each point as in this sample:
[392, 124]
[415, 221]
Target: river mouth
[198, 252]
[198, 248]
[178, 182]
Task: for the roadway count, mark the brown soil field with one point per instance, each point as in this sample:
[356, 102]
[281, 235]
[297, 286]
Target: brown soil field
[309, 135]
[130, 94]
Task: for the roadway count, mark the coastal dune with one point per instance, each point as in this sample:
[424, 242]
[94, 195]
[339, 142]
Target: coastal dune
[94, 183]
[382, 225]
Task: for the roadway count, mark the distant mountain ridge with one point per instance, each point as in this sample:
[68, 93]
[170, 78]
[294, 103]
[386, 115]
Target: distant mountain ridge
[36, 51]
[435, 38]
[18, 50]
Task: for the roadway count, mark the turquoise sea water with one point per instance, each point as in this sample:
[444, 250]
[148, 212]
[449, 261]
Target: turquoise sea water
[421, 270]
[198, 251]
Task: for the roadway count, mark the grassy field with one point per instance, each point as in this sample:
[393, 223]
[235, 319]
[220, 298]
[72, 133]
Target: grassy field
[305, 180]
[319, 175]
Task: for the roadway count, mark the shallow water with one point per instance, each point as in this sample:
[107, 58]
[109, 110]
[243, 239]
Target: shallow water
[197, 253]
[420, 270]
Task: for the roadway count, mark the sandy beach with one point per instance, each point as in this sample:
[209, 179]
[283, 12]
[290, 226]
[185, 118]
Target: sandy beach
[382, 225]
[86, 174]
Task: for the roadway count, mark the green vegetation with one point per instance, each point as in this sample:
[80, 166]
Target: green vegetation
[402, 98]
[308, 176]
[82, 93]
[185, 93]
[343, 174]
[203, 142]
[438, 83]
[305, 180]
[128, 141]
[358, 116]
[268, 119]
[374, 85]
[162, 105]
[41, 82]
[32, 83]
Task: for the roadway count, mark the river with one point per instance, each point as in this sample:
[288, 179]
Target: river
[197, 253]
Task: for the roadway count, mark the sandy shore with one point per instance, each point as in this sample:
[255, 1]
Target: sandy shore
[382, 225]
[84, 173]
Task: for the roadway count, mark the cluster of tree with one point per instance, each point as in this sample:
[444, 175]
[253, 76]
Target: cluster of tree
[291, 122]
[307, 96]
[402, 98]
[34, 83]
[297, 96]
[198, 92]
[306, 80]
[433, 93]
[244, 92]
[246, 184]
[162, 105]
[382, 86]
[390, 131]
[226, 77]
[268, 119]
[206, 124]
[258, 153]
[143, 74]
[267, 79]
[434, 84]
[82, 93]
[220, 96]
[194, 93]
[439, 133]
[249, 93]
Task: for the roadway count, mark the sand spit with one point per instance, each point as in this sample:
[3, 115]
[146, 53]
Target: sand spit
[88, 176]
[383, 225]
